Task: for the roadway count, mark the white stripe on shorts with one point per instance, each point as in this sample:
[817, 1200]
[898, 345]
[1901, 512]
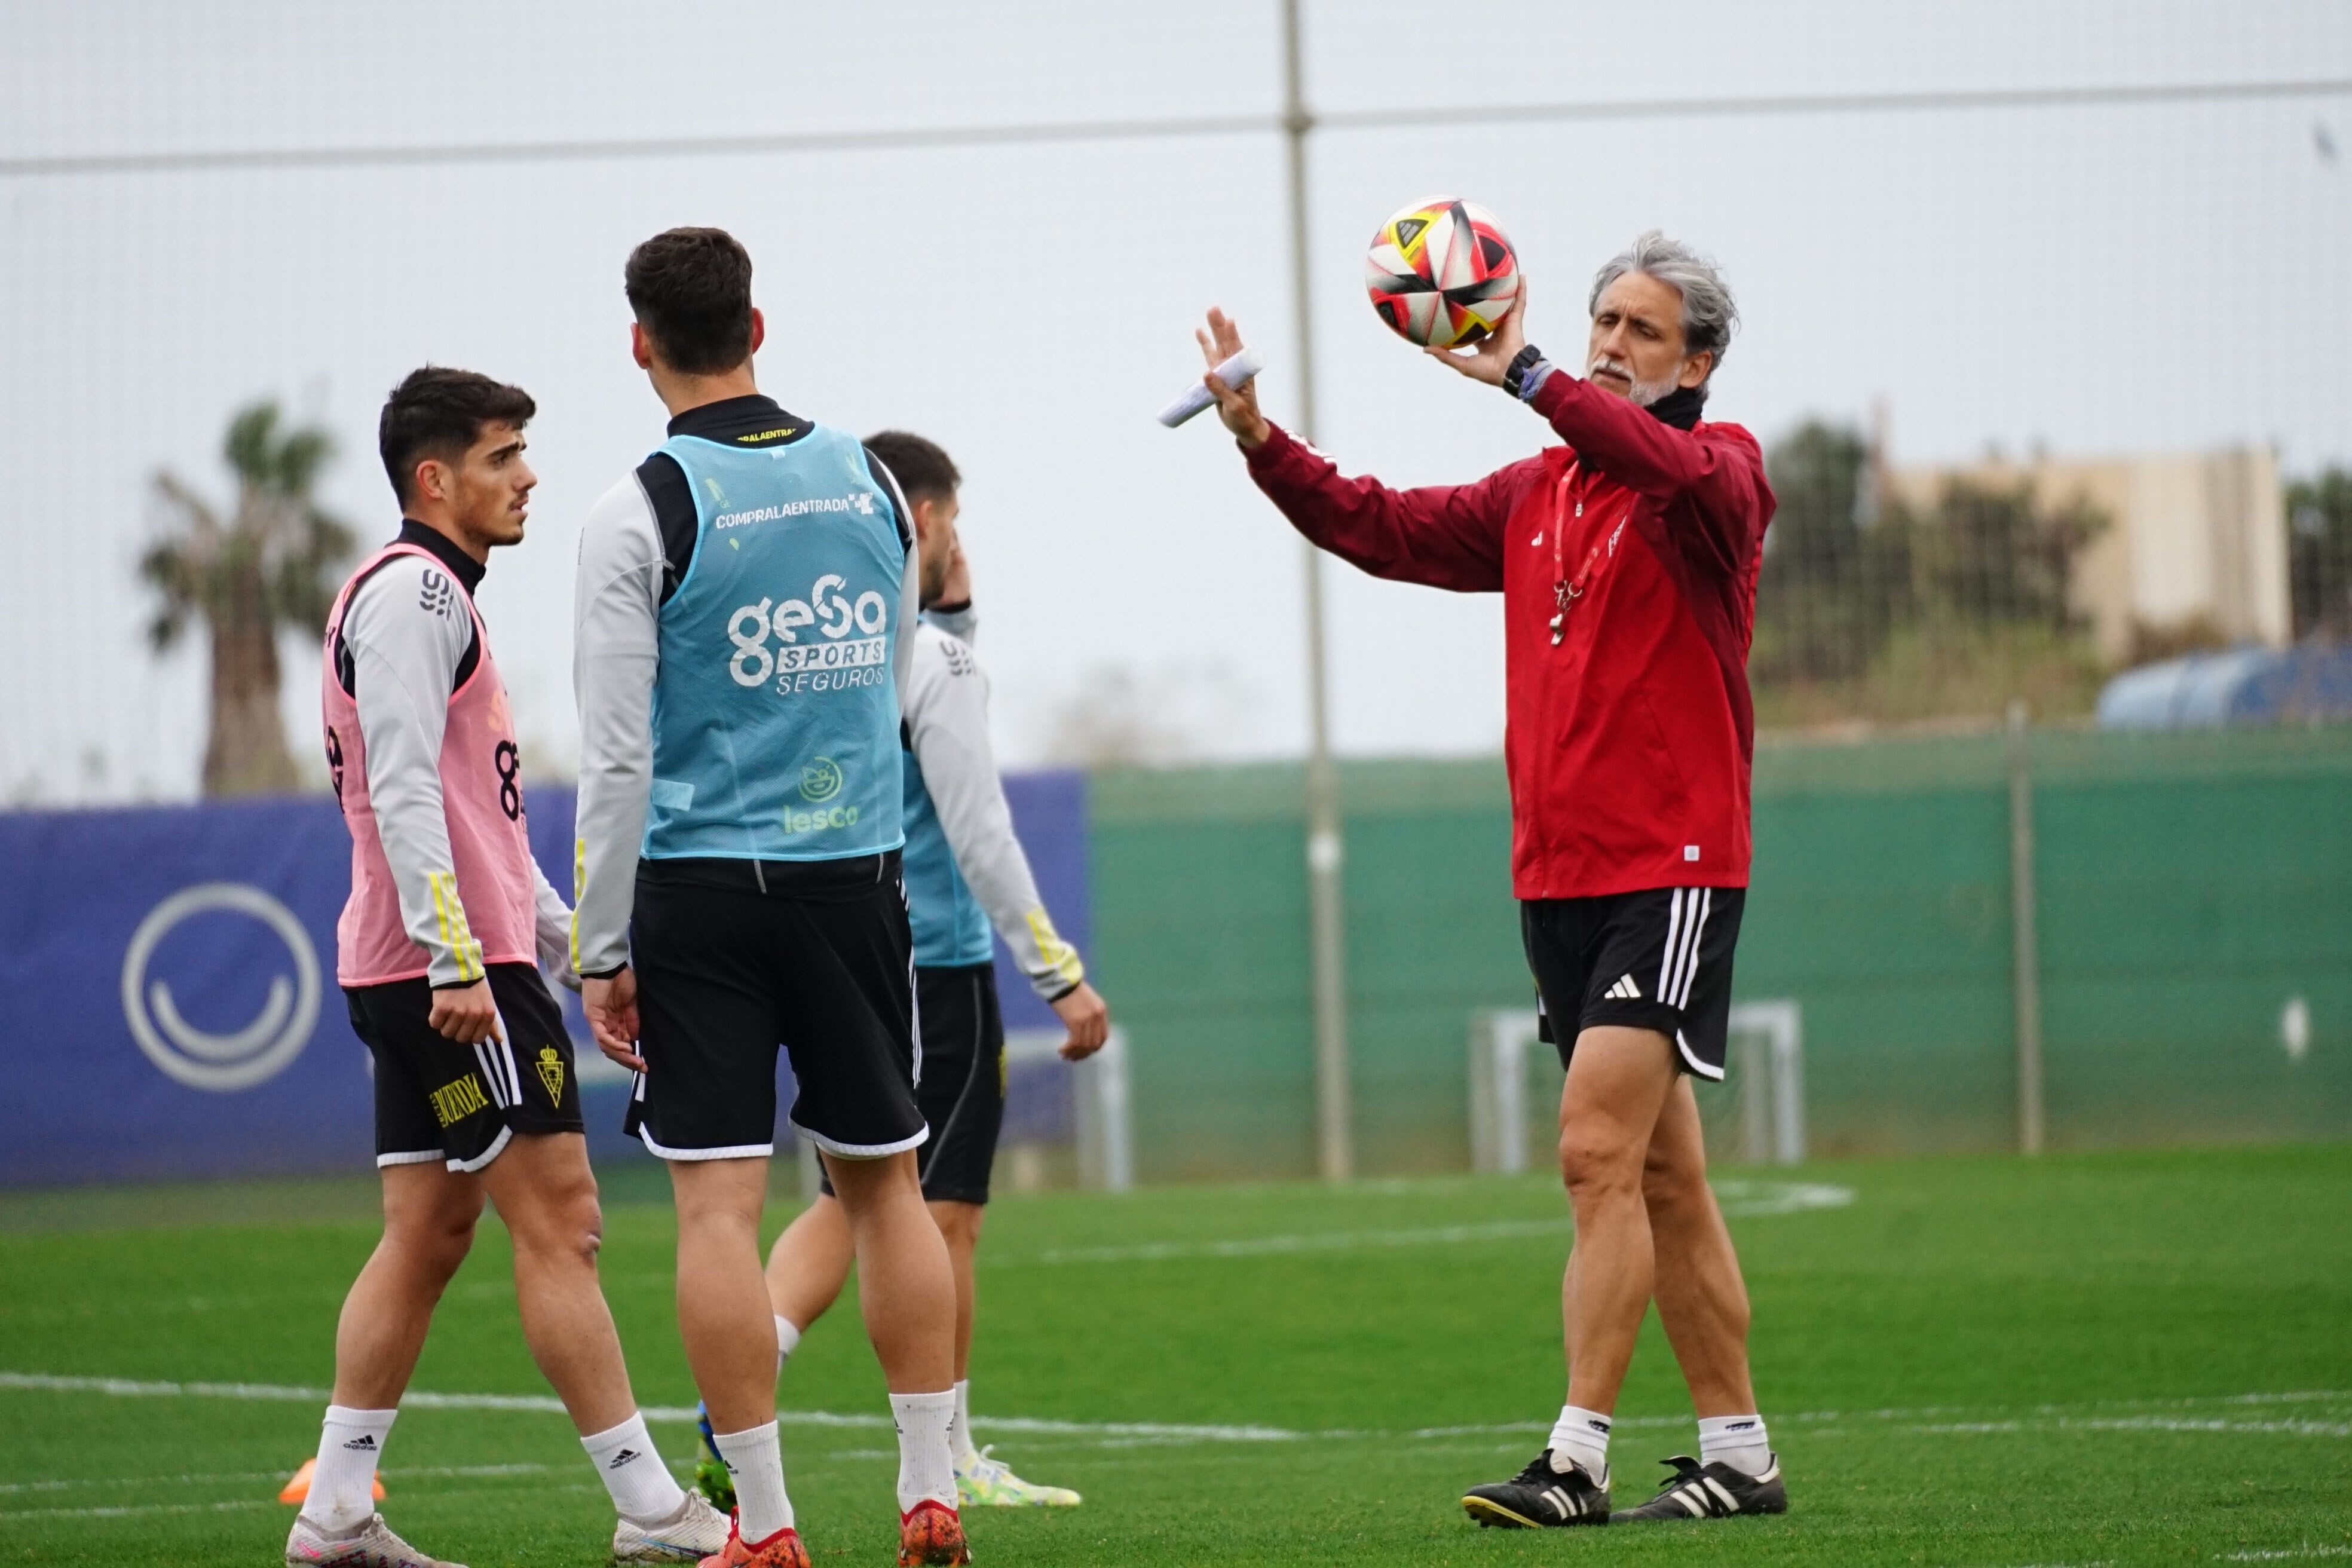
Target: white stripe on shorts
[1665, 986]
[1698, 935]
[490, 1074]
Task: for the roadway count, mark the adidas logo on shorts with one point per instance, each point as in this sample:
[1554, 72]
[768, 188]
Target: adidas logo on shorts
[1625, 990]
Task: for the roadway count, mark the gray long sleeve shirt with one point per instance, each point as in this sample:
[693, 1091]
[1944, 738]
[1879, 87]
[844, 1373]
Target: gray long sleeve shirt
[947, 724]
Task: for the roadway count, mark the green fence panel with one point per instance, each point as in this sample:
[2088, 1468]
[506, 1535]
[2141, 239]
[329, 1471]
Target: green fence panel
[1885, 915]
[2189, 896]
[2192, 889]
[1201, 947]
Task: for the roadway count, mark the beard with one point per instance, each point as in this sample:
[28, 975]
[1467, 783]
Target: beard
[1643, 394]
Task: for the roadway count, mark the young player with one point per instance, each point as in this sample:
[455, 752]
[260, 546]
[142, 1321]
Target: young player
[965, 871]
[475, 1093]
[746, 606]
[1627, 563]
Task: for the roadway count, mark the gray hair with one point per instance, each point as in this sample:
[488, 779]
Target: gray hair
[1708, 314]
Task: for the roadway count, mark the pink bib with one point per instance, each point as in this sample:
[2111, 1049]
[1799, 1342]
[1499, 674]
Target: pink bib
[488, 917]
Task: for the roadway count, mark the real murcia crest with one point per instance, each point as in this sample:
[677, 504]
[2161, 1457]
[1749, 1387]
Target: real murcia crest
[550, 1073]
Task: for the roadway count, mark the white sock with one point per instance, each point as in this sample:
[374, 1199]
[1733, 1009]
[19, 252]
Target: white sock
[642, 1487]
[960, 1435]
[787, 1337]
[1738, 1441]
[343, 1488]
[1581, 1437]
[926, 1470]
[756, 1465]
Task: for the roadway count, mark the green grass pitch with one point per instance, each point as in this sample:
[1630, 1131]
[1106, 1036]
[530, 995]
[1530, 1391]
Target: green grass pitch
[2100, 1359]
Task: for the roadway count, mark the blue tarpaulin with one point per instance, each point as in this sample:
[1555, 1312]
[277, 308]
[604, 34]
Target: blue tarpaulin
[171, 971]
[2307, 683]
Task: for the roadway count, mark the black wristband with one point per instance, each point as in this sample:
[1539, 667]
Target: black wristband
[1526, 359]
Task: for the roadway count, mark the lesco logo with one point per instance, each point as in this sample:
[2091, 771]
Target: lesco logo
[821, 780]
[262, 1049]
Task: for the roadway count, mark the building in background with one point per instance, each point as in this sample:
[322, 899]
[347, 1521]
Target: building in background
[2195, 553]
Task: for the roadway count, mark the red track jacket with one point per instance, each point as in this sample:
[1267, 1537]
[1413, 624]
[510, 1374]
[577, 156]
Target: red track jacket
[1630, 741]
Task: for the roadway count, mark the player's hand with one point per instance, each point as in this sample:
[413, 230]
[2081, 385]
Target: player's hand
[957, 587]
[1088, 1017]
[1237, 407]
[465, 1014]
[1492, 355]
[610, 1004]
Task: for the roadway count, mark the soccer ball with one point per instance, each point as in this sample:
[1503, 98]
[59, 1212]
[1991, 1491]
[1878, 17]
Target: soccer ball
[1441, 273]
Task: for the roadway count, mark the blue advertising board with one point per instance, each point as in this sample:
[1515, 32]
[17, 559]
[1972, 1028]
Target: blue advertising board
[173, 976]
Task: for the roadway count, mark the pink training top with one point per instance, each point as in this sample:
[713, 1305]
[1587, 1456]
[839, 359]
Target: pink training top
[483, 904]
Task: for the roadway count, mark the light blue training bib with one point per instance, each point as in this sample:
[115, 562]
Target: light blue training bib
[775, 713]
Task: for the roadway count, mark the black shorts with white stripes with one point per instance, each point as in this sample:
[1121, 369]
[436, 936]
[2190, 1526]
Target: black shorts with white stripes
[1659, 959]
[962, 1091]
[437, 1100]
[735, 958]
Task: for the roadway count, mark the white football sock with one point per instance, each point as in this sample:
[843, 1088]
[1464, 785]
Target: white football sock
[787, 1338]
[642, 1487]
[1738, 1441]
[1581, 1437]
[960, 1435]
[756, 1465]
[343, 1488]
[925, 1466]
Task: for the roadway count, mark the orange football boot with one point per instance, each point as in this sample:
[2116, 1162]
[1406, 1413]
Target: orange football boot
[782, 1550]
[931, 1534]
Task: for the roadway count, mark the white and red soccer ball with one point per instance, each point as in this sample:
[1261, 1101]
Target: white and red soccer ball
[1441, 273]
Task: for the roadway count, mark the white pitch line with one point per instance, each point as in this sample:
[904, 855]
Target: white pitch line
[1995, 1418]
[1739, 1199]
[124, 1510]
[1265, 1245]
[2138, 1424]
[127, 1509]
[399, 1472]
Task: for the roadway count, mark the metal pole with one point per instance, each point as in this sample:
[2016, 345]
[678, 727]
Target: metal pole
[2027, 951]
[1326, 931]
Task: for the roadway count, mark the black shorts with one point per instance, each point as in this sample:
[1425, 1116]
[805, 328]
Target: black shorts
[437, 1100]
[734, 958]
[1654, 960]
[962, 1094]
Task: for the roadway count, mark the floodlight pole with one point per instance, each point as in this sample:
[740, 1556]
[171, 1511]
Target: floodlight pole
[1327, 928]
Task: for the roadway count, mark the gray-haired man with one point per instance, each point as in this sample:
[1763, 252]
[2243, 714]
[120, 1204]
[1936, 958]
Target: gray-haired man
[1627, 564]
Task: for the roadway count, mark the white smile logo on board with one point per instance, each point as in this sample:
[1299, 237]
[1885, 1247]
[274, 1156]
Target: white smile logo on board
[254, 1053]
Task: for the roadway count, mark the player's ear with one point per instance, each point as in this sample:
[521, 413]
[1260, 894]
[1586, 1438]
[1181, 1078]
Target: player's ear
[759, 328]
[641, 348]
[1696, 368]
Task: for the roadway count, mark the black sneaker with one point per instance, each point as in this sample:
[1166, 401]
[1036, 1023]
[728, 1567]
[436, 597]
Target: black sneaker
[1539, 1496]
[1713, 1491]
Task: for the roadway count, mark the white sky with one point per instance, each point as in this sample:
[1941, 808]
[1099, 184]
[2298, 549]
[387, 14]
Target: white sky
[2093, 280]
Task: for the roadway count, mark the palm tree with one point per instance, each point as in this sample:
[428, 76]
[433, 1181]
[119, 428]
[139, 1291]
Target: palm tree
[272, 563]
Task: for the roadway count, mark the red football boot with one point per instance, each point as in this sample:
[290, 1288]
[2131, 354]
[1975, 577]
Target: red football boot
[782, 1550]
[931, 1532]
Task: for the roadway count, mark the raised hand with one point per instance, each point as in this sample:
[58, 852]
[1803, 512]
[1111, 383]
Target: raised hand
[956, 587]
[1492, 355]
[1237, 406]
